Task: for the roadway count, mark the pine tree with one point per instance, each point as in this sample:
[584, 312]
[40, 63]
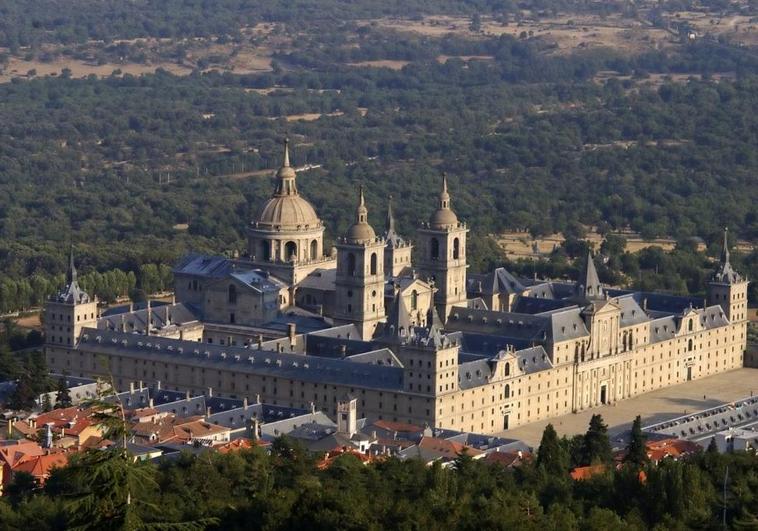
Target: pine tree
[596, 447]
[551, 455]
[23, 398]
[637, 451]
[47, 404]
[63, 396]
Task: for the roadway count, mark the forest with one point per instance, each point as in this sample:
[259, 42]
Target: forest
[135, 171]
[287, 489]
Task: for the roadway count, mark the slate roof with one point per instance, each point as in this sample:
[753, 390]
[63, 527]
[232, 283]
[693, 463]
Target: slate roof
[534, 305]
[239, 359]
[497, 281]
[320, 279]
[219, 267]
[162, 316]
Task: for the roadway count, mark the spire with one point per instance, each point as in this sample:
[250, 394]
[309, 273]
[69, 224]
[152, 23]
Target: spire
[360, 230]
[725, 273]
[443, 217]
[361, 213]
[444, 196]
[71, 292]
[725, 249]
[286, 163]
[390, 217]
[286, 175]
[588, 286]
[72, 274]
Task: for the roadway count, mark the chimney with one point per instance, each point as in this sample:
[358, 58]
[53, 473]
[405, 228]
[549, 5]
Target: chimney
[10, 427]
[313, 408]
[123, 322]
[257, 399]
[173, 299]
[181, 335]
[187, 395]
[291, 332]
[208, 412]
[244, 403]
[260, 341]
[644, 304]
[131, 307]
[32, 422]
[150, 403]
[210, 392]
[140, 385]
[343, 350]
[148, 318]
[255, 429]
[158, 385]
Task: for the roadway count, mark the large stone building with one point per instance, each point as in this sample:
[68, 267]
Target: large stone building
[424, 343]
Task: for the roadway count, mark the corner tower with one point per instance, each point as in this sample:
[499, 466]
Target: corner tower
[727, 288]
[442, 258]
[359, 284]
[65, 315]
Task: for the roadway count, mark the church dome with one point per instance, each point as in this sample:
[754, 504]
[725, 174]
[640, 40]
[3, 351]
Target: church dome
[286, 209]
[444, 216]
[360, 231]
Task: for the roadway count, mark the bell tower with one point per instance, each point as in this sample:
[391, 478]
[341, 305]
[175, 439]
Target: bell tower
[442, 243]
[727, 288]
[65, 315]
[359, 284]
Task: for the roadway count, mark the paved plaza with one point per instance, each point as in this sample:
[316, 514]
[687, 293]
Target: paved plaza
[655, 406]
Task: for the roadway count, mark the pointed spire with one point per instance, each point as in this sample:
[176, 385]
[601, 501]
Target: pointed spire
[286, 175]
[286, 163]
[444, 195]
[588, 286]
[360, 230]
[443, 217]
[361, 213]
[390, 217]
[725, 273]
[725, 248]
[72, 274]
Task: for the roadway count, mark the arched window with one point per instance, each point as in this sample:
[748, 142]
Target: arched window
[350, 263]
[232, 294]
[456, 249]
[689, 325]
[689, 346]
[373, 263]
[630, 341]
[435, 248]
[314, 250]
[507, 392]
[507, 369]
[290, 251]
[414, 300]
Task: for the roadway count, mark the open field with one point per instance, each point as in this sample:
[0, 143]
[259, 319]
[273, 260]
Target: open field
[520, 244]
[656, 406]
[19, 68]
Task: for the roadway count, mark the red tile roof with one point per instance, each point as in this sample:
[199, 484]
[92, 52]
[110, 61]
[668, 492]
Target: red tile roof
[449, 449]
[40, 466]
[400, 427]
[581, 473]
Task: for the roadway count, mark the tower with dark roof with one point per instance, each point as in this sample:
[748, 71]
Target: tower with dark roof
[588, 288]
[397, 252]
[727, 287]
[68, 312]
[359, 283]
[442, 256]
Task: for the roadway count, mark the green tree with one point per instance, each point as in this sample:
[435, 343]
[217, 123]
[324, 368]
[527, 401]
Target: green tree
[596, 447]
[636, 451]
[551, 456]
[63, 395]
